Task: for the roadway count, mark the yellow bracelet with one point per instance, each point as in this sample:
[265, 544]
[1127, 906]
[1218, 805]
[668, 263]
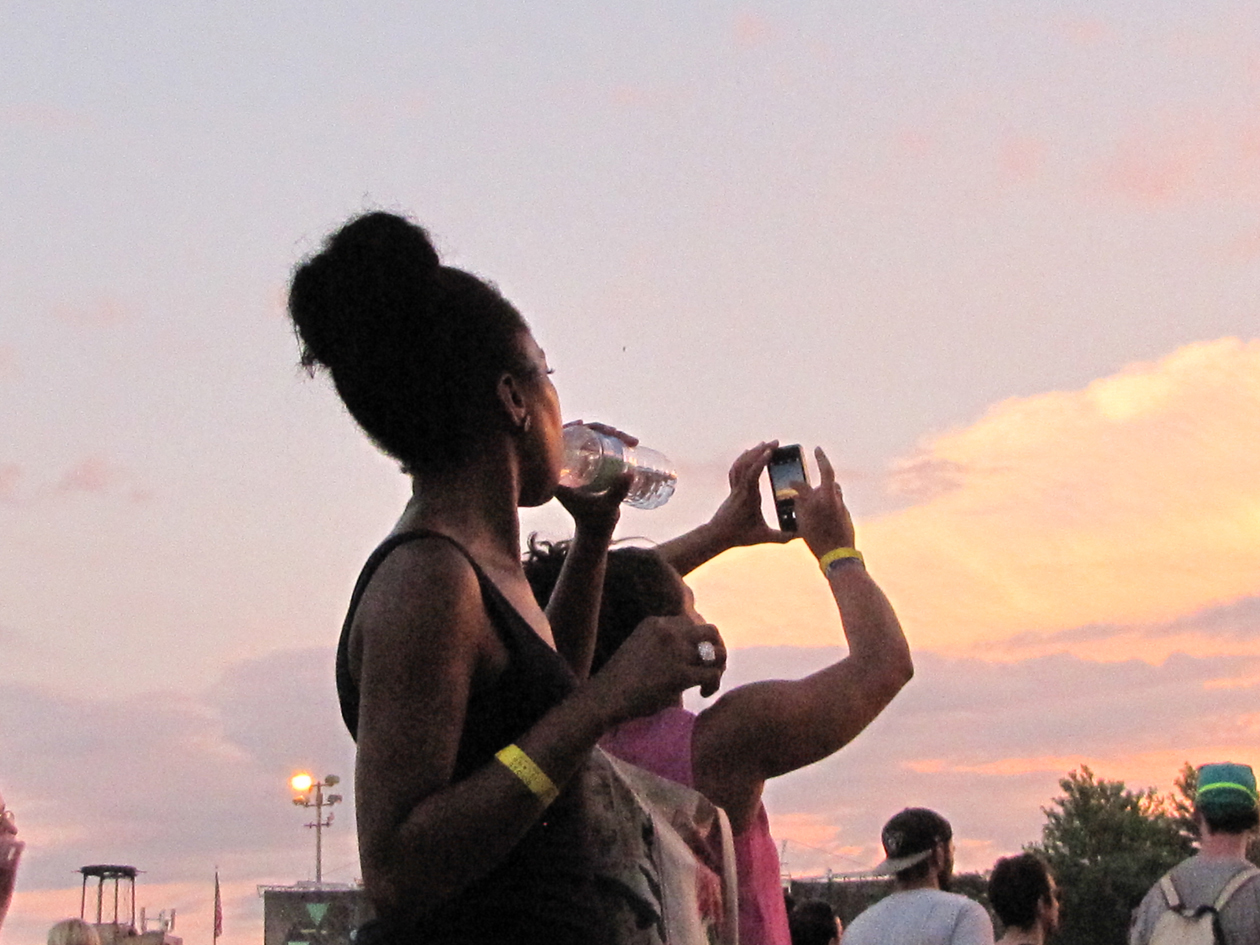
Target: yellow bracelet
[839, 554]
[532, 776]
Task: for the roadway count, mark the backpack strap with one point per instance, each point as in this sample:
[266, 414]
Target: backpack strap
[1241, 877]
[1170, 892]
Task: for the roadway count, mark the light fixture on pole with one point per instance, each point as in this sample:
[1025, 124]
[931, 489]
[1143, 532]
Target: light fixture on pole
[304, 786]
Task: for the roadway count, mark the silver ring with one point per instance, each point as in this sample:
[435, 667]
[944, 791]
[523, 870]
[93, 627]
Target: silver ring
[707, 652]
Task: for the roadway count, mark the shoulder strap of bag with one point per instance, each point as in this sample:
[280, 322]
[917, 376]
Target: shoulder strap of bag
[1233, 885]
[1170, 892]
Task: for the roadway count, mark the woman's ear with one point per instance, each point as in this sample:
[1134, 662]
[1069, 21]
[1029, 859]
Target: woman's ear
[513, 402]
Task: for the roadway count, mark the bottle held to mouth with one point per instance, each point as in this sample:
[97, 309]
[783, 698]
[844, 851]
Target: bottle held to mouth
[594, 460]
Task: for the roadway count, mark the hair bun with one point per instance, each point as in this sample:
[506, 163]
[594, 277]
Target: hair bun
[372, 277]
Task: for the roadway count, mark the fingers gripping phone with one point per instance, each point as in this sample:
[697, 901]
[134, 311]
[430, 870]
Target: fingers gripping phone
[786, 466]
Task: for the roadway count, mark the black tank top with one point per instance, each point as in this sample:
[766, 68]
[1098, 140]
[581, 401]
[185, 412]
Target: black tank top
[544, 891]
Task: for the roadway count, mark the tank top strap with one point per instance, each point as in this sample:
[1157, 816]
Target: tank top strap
[503, 616]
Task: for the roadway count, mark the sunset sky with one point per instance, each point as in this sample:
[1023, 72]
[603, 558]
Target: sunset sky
[1002, 260]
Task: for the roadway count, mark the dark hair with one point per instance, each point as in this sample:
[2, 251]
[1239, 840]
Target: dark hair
[1235, 821]
[638, 583]
[812, 922]
[414, 348]
[1018, 883]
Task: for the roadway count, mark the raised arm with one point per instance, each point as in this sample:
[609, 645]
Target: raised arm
[422, 835]
[765, 729]
[738, 520]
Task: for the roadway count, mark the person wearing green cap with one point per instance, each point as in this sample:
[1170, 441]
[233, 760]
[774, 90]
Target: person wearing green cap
[1218, 879]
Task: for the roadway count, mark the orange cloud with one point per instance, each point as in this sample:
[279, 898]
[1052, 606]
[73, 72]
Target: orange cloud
[1131, 502]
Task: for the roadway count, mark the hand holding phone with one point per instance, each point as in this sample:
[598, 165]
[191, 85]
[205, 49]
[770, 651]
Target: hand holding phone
[785, 469]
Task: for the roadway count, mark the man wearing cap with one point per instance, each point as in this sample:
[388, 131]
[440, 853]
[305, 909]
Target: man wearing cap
[1227, 815]
[919, 844]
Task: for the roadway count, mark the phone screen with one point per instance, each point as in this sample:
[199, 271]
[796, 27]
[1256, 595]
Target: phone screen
[785, 468]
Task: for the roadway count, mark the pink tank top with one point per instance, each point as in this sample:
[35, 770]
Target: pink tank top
[661, 744]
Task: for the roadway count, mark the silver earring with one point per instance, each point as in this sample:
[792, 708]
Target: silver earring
[526, 422]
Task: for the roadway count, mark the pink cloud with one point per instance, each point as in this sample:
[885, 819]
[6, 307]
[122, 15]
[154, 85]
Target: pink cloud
[1185, 157]
[91, 474]
[376, 112]
[1156, 172]
[10, 473]
[752, 30]
[1022, 157]
[641, 97]
[1086, 31]
[43, 117]
[104, 312]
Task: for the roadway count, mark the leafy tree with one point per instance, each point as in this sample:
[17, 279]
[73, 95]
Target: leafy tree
[1106, 846]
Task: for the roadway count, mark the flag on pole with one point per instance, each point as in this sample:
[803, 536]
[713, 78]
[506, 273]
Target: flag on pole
[218, 908]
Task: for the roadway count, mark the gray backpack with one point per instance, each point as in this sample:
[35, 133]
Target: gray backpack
[1180, 925]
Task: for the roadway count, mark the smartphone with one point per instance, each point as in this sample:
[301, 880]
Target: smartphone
[786, 466]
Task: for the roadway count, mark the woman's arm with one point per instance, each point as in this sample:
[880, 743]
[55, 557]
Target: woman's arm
[573, 609]
[422, 836]
[738, 520]
[769, 728]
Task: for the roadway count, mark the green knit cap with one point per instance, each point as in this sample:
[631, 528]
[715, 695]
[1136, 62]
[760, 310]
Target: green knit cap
[1225, 788]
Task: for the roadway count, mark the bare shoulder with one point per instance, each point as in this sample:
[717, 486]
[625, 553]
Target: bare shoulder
[424, 601]
[728, 746]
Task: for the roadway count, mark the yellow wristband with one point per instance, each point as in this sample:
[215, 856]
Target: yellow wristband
[839, 554]
[532, 776]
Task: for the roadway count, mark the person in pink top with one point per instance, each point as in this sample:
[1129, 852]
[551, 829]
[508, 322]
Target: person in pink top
[764, 729]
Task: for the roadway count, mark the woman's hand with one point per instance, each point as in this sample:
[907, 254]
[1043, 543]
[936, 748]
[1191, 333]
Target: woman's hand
[739, 520]
[821, 517]
[597, 513]
[662, 658]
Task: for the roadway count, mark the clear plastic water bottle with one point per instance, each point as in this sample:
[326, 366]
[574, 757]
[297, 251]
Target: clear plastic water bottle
[593, 461]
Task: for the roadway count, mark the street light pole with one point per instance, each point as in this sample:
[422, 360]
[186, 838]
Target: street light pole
[305, 785]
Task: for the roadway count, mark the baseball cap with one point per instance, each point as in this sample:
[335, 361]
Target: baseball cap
[1225, 788]
[910, 837]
